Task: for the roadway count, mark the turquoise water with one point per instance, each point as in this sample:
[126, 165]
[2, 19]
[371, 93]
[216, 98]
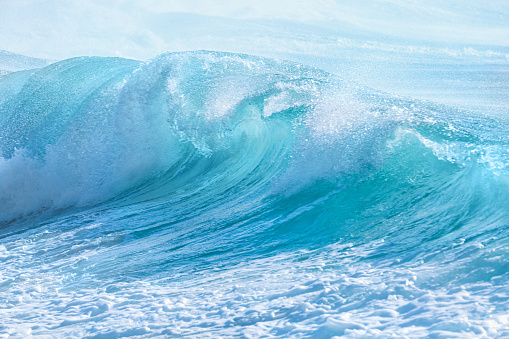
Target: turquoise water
[210, 194]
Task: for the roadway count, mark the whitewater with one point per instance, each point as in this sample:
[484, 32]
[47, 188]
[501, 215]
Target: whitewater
[334, 182]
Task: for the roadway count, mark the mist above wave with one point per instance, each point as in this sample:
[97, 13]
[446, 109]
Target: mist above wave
[83, 130]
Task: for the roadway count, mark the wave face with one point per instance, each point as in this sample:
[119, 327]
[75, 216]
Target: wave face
[214, 194]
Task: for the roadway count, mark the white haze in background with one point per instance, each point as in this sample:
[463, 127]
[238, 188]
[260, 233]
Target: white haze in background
[454, 52]
[143, 29]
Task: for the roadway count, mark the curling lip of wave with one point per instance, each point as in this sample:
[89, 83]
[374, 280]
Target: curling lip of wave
[86, 130]
[83, 130]
[279, 188]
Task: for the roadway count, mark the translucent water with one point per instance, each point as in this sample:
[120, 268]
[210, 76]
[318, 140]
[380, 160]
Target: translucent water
[216, 194]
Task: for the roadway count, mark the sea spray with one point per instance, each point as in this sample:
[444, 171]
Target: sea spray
[216, 194]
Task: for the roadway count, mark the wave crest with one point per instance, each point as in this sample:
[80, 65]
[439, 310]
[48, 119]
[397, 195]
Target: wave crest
[87, 130]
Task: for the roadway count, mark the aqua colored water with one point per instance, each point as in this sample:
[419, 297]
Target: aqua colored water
[215, 194]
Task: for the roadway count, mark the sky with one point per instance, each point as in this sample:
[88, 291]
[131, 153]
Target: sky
[58, 29]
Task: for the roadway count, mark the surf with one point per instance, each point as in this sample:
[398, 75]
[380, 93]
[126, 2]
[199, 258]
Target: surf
[190, 165]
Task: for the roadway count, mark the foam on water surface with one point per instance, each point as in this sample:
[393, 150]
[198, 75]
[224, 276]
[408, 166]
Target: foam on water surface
[359, 190]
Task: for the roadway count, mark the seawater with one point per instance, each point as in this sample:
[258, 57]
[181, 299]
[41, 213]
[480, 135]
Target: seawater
[209, 194]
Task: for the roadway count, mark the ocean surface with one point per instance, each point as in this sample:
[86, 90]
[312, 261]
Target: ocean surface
[357, 188]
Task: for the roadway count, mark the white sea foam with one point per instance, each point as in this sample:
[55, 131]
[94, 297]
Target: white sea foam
[370, 216]
[329, 294]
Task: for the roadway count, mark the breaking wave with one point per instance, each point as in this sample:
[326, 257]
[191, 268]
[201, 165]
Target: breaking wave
[206, 158]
